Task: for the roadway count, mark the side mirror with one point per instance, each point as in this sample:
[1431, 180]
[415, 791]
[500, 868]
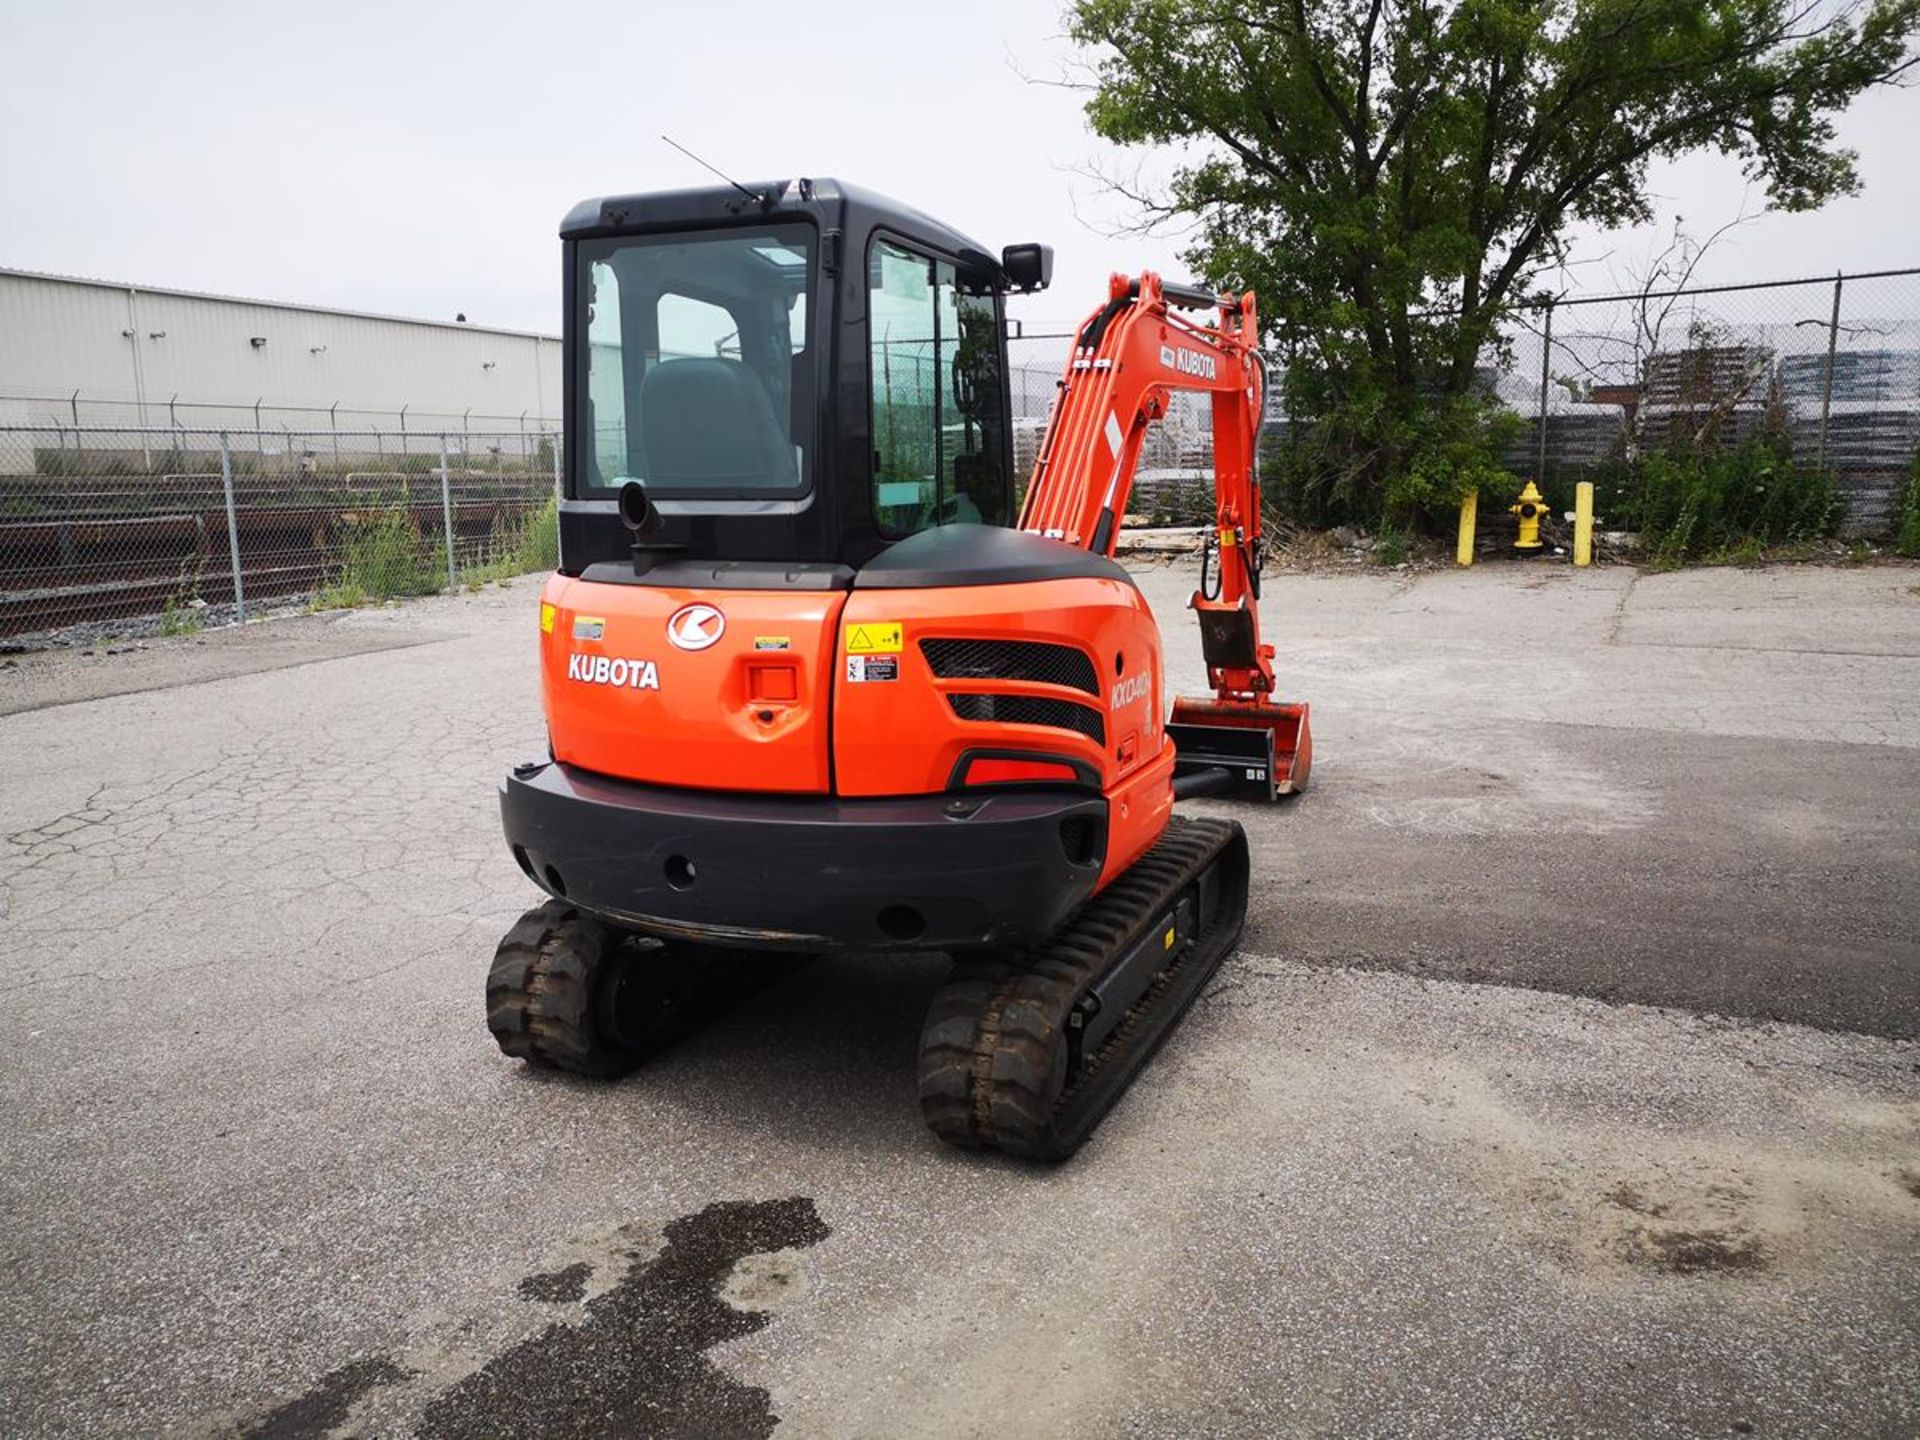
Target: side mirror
[1027, 267]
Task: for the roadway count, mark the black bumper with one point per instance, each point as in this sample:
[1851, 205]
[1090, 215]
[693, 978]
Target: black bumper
[936, 872]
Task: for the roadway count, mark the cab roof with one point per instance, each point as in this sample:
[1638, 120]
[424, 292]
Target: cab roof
[829, 202]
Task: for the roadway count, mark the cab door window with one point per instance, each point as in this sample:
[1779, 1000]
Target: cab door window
[935, 388]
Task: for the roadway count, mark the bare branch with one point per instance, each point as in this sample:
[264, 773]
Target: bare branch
[1158, 213]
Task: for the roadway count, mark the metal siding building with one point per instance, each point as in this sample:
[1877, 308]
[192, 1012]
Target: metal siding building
[92, 352]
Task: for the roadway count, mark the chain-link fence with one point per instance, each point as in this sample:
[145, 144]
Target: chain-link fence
[1832, 365]
[175, 529]
[192, 524]
[402, 424]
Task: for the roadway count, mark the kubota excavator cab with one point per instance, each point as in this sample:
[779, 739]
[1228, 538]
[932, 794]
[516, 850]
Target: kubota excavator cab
[810, 689]
[719, 349]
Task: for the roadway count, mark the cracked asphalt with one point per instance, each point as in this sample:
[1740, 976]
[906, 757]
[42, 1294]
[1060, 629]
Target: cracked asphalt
[1566, 1082]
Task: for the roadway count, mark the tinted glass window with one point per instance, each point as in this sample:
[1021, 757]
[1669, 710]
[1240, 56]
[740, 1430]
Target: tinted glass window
[697, 327]
[936, 395]
[698, 376]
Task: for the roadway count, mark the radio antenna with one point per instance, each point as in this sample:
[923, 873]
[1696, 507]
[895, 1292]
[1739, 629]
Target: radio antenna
[757, 199]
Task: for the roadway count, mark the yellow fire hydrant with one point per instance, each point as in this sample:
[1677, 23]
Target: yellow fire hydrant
[1530, 507]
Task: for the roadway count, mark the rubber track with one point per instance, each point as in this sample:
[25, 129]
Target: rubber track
[993, 1055]
[540, 993]
[547, 995]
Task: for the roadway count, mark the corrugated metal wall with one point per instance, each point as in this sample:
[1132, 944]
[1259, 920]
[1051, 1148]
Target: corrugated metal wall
[122, 350]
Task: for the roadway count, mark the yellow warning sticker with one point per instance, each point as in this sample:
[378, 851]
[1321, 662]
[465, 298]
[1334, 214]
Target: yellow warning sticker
[546, 618]
[1166, 941]
[874, 637]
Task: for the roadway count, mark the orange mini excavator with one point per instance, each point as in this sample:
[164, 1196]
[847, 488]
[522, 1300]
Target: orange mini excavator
[811, 686]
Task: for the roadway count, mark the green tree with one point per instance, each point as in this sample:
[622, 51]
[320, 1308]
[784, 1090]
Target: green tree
[1392, 176]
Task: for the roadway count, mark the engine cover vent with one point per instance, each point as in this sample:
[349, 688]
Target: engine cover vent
[1032, 710]
[1031, 660]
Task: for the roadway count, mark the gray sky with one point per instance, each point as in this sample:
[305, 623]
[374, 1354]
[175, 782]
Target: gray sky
[416, 158]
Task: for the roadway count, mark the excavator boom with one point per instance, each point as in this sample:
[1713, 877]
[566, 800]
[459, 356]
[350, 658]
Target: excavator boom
[1128, 357]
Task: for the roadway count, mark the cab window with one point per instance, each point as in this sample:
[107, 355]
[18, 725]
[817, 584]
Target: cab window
[936, 392]
[697, 374]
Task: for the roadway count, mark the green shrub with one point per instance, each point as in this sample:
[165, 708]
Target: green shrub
[1316, 477]
[1723, 502]
[524, 546]
[1185, 502]
[341, 596]
[177, 618]
[384, 558]
[1457, 454]
[537, 546]
[1906, 531]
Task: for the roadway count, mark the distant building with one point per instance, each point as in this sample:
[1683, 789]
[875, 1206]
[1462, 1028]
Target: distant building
[95, 352]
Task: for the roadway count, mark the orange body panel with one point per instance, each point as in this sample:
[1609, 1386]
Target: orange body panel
[748, 712]
[1137, 811]
[811, 692]
[903, 737]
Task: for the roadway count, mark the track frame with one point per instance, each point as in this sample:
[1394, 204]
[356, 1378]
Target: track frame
[1010, 1058]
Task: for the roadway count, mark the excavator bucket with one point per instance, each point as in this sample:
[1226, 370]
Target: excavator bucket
[1255, 749]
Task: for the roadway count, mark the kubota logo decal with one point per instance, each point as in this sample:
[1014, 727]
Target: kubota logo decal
[606, 670]
[1189, 362]
[695, 627]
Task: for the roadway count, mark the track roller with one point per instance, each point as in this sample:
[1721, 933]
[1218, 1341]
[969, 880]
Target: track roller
[1025, 1051]
[567, 992]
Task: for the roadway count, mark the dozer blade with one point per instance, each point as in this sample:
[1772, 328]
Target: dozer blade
[1265, 749]
[1024, 1051]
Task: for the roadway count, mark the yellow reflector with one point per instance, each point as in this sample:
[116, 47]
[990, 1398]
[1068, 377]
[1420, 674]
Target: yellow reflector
[547, 613]
[1166, 942]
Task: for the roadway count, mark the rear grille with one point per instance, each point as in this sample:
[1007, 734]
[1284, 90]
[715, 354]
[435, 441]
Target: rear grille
[1032, 710]
[1031, 660]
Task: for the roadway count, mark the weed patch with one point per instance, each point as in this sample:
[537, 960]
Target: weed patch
[177, 618]
[523, 547]
[1906, 533]
[384, 557]
[1724, 506]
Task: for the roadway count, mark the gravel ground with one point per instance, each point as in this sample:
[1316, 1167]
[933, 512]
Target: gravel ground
[1565, 1084]
[128, 630]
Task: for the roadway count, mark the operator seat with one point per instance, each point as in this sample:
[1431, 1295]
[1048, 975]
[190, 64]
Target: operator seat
[709, 424]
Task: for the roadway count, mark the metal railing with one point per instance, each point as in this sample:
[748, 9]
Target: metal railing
[76, 410]
[106, 530]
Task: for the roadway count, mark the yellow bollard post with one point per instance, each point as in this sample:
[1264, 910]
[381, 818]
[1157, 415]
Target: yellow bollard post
[1469, 512]
[1583, 523]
